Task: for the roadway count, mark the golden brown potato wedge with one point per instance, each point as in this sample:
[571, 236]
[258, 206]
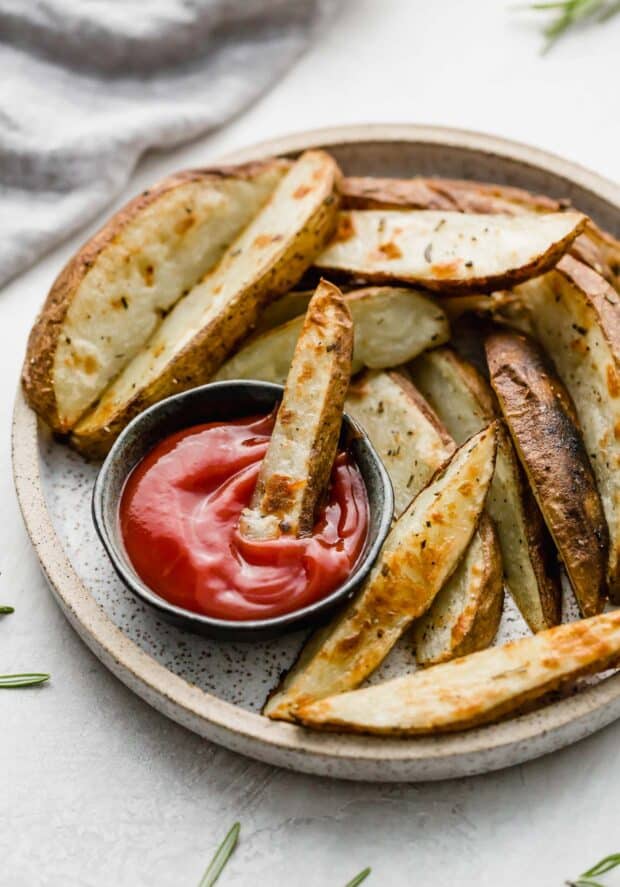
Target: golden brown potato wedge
[447, 251]
[391, 326]
[465, 615]
[299, 459]
[113, 294]
[193, 341]
[412, 444]
[476, 689]
[575, 314]
[542, 422]
[595, 247]
[420, 553]
[465, 403]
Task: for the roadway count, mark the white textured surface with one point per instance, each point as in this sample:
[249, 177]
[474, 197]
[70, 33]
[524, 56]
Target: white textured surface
[97, 788]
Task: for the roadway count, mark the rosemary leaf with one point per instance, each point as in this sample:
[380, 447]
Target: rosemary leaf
[605, 865]
[10, 681]
[571, 13]
[359, 878]
[222, 855]
[4, 611]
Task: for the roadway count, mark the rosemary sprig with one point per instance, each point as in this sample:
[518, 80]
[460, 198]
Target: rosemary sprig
[604, 865]
[359, 878]
[10, 681]
[4, 611]
[222, 855]
[574, 12]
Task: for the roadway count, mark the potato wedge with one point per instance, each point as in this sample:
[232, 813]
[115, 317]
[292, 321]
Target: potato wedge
[576, 316]
[412, 444]
[196, 337]
[288, 306]
[113, 294]
[598, 249]
[465, 615]
[405, 432]
[391, 326]
[465, 403]
[542, 422]
[447, 251]
[301, 452]
[477, 689]
[420, 553]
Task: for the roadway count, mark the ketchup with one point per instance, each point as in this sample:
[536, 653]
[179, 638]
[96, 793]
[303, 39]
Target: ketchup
[179, 517]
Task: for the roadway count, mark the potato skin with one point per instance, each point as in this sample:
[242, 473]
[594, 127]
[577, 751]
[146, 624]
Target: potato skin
[543, 424]
[37, 374]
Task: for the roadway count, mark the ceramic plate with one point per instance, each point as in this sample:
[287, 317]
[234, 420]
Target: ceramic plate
[216, 688]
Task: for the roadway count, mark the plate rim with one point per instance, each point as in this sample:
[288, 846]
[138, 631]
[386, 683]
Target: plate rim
[339, 755]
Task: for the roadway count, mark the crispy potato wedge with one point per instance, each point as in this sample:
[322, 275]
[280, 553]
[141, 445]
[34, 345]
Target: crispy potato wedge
[420, 553]
[447, 251]
[412, 444]
[476, 689]
[391, 326]
[112, 295]
[576, 316]
[595, 247]
[465, 403]
[542, 422]
[193, 341]
[299, 459]
[465, 615]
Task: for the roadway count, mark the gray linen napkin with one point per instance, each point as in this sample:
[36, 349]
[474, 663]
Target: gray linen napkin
[86, 86]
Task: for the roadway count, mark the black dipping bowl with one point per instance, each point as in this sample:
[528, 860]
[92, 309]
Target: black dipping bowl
[211, 403]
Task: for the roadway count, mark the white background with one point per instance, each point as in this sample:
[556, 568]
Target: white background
[98, 789]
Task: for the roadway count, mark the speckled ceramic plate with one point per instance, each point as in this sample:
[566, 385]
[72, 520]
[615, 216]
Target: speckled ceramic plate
[217, 688]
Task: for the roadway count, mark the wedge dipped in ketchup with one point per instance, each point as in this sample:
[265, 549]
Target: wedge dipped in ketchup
[183, 506]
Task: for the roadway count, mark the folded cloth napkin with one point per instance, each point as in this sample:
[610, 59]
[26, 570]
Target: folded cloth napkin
[87, 87]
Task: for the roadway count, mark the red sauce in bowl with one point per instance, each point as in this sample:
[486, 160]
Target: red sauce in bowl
[179, 516]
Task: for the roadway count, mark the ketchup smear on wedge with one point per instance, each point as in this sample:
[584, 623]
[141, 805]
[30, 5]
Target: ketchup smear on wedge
[180, 513]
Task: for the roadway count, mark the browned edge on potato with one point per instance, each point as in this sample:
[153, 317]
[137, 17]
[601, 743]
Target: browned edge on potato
[196, 337]
[478, 689]
[106, 255]
[420, 553]
[465, 403]
[447, 252]
[297, 465]
[542, 422]
[597, 248]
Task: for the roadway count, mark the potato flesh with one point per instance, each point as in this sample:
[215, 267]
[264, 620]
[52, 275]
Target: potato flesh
[464, 414]
[296, 467]
[412, 446]
[251, 255]
[448, 249]
[478, 688]
[420, 553]
[141, 274]
[391, 326]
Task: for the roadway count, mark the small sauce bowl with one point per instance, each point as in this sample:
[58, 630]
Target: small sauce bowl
[218, 402]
